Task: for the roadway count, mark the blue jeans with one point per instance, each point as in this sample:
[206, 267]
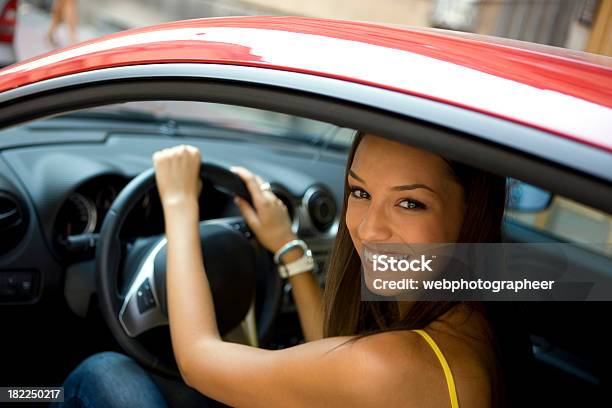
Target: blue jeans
[111, 379]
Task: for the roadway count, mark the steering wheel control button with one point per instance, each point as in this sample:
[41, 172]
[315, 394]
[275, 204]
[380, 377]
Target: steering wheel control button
[17, 286]
[242, 228]
[144, 297]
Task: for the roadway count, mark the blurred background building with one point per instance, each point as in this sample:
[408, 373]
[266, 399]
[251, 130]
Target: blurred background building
[584, 25]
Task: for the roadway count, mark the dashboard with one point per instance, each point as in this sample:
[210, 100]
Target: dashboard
[61, 193]
[82, 213]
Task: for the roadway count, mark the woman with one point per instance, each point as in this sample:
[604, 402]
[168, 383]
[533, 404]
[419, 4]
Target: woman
[356, 353]
[64, 11]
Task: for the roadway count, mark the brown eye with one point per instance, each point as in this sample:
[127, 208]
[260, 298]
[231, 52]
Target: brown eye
[410, 204]
[359, 193]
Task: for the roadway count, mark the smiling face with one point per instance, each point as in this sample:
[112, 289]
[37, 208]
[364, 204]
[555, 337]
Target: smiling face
[399, 194]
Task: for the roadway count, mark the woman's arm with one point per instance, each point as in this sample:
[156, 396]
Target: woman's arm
[308, 298]
[324, 372]
[190, 306]
[270, 222]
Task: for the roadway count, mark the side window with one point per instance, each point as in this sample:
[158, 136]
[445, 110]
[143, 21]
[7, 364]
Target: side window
[560, 217]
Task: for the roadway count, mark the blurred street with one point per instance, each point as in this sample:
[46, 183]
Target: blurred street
[107, 16]
[31, 32]
[564, 23]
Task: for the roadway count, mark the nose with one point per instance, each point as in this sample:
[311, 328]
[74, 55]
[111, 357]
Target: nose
[374, 226]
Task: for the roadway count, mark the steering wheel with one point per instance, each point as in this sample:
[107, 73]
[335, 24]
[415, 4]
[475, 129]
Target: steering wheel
[237, 267]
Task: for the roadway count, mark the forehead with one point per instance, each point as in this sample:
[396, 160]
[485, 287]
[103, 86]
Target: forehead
[384, 159]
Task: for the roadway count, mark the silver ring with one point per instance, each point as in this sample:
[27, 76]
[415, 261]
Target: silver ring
[265, 186]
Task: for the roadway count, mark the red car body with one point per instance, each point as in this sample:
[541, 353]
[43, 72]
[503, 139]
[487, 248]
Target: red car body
[537, 114]
[564, 92]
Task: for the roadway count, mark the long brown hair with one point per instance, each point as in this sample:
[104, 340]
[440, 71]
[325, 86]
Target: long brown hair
[345, 314]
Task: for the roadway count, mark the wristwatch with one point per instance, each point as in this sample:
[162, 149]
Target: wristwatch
[303, 264]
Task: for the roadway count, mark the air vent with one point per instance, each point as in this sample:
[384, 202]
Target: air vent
[321, 207]
[13, 222]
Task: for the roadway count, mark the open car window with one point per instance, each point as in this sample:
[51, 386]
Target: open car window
[561, 218]
[554, 215]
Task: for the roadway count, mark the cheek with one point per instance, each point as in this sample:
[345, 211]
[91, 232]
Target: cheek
[423, 228]
[354, 215]
[352, 219]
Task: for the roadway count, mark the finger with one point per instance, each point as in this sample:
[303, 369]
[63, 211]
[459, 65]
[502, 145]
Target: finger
[251, 182]
[241, 171]
[195, 152]
[259, 180]
[268, 195]
[248, 213]
[159, 154]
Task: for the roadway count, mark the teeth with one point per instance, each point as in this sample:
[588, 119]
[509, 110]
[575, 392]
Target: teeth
[369, 256]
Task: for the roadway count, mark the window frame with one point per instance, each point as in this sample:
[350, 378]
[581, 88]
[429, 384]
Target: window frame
[554, 163]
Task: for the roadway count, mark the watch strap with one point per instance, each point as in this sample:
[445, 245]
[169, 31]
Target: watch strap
[300, 265]
[287, 247]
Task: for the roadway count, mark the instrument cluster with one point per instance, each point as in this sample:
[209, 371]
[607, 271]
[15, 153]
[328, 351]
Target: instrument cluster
[82, 213]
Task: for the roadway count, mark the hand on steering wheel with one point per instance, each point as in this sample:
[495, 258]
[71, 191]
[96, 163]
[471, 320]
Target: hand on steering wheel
[177, 173]
[269, 220]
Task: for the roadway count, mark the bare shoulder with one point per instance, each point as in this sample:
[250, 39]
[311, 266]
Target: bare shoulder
[383, 369]
[407, 372]
[396, 368]
[400, 369]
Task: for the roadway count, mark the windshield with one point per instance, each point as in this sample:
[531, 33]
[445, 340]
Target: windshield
[182, 114]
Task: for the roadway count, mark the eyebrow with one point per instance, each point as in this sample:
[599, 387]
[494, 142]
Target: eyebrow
[396, 188]
[355, 176]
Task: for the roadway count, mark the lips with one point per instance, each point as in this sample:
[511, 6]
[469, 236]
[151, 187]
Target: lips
[397, 251]
[369, 256]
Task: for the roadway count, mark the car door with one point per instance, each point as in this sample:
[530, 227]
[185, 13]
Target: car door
[567, 168]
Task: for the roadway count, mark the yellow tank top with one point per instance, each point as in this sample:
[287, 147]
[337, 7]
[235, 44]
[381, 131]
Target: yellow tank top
[450, 381]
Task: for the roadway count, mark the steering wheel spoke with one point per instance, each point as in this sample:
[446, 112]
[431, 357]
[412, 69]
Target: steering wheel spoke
[236, 223]
[141, 309]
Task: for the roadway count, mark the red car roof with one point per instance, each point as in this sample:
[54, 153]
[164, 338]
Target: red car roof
[564, 92]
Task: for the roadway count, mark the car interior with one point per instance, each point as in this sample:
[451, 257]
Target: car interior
[61, 173]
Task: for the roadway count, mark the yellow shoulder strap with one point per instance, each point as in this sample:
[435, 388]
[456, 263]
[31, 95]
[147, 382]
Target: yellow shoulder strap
[447, 371]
